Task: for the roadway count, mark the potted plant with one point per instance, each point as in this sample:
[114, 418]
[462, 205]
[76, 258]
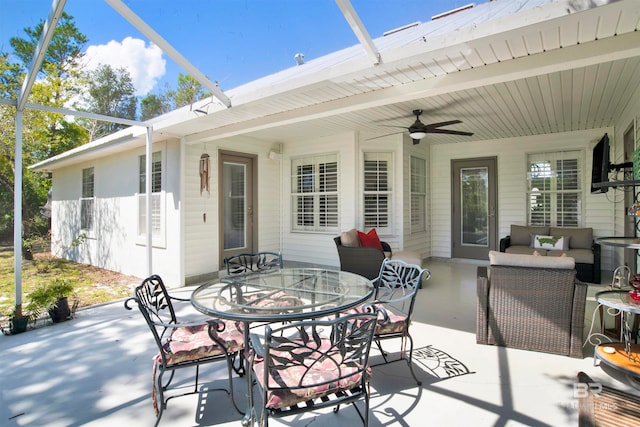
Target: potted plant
[18, 320]
[53, 297]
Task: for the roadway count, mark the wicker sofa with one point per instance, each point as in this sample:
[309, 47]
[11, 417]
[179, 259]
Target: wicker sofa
[579, 245]
[531, 302]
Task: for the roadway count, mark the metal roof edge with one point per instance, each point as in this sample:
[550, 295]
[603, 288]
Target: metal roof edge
[110, 141]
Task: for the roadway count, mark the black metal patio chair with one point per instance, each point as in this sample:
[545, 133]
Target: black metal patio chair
[313, 364]
[253, 262]
[394, 300]
[183, 345]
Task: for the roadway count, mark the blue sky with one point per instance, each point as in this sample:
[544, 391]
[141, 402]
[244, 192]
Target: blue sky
[231, 41]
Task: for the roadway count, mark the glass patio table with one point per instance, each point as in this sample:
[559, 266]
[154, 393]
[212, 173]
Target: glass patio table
[284, 295]
[288, 294]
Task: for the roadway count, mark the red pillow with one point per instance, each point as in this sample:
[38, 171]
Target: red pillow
[370, 239]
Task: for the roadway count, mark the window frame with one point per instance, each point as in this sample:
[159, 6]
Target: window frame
[87, 194]
[554, 216]
[158, 183]
[311, 186]
[387, 192]
[418, 196]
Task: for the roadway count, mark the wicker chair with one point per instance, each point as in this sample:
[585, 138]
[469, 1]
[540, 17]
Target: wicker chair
[600, 405]
[531, 308]
[362, 260]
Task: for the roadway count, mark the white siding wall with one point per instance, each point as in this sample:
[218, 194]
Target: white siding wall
[201, 242]
[114, 244]
[419, 242]
[319, 248]
[512, 153]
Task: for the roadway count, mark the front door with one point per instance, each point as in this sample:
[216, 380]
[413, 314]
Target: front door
[237, 205]
[474, 188]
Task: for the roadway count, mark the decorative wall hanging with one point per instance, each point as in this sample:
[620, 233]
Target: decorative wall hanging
[205, 168]
[205, 164]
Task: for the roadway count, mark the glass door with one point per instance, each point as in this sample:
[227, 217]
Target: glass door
[474, 208]
[236, 205]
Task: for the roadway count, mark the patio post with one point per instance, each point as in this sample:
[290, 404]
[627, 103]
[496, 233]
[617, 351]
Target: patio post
[148, 173]
[17, 213]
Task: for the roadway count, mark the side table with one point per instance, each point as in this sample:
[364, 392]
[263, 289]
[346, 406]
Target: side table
[624, 355]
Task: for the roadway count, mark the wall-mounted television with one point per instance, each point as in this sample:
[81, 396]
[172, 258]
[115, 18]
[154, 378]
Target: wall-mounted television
[600, 165]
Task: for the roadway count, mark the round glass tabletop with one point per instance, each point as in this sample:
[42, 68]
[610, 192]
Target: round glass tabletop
[287, 294]
[620, 299]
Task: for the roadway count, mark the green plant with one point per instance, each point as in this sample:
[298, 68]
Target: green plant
[18, 319]
[45, 297]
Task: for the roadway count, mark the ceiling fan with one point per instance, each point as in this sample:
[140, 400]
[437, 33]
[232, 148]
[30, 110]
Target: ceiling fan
[419, 130]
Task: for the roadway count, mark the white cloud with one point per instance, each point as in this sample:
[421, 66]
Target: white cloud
[144, 63]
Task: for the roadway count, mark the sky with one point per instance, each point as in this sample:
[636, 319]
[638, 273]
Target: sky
[231, 41]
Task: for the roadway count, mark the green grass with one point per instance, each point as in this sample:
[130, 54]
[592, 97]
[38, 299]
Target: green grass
[93, 285]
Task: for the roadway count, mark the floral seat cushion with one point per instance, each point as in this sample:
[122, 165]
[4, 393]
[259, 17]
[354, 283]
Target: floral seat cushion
[193, 342]
[395, 322]
[276, 301]
[190, 343]
[294, 384]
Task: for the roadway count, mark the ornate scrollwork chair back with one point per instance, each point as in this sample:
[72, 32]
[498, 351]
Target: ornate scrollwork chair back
[181, 345]
[313, 364]
[253, 262]
[394, 299]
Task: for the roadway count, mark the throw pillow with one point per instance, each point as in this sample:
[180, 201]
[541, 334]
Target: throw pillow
[552, 243]
[370, 239]
[350, 238]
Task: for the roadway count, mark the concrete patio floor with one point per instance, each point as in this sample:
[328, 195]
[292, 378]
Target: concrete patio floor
[96, 371]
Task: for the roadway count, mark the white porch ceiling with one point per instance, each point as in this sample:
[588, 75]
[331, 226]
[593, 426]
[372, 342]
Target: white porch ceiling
[506, 68]
[550, 68]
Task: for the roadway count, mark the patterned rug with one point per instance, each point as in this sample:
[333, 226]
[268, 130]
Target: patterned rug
[439, 363]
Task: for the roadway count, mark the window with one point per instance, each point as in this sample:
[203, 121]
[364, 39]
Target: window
[314, 190]
[87, 200]
[156, 194]
[555, 189]
[418, 194]
[377, 191]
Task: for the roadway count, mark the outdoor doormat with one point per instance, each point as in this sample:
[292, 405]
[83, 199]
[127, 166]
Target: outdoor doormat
[439, 363]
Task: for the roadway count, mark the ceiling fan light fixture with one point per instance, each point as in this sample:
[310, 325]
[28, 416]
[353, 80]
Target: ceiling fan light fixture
[417, 134]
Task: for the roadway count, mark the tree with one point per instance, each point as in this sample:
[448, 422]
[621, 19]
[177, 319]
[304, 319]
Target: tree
[189, 91]
[154, 105]
[62, 61]
[111, 92]
[44, 134]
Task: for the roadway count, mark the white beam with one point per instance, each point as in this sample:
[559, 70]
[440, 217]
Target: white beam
[68, 112]
[41, 49]
[148, 176]
[17, 212]
[85, 114]
[156, 38]
[359, 30]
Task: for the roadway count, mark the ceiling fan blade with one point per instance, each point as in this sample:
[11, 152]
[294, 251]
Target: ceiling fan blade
[437, 125]
[382, 136]
[397, 127]
[450, 132]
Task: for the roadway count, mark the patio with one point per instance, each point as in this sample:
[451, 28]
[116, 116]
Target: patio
[96, 370]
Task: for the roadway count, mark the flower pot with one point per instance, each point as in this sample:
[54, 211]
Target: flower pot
[18, 325]
[61, 311]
